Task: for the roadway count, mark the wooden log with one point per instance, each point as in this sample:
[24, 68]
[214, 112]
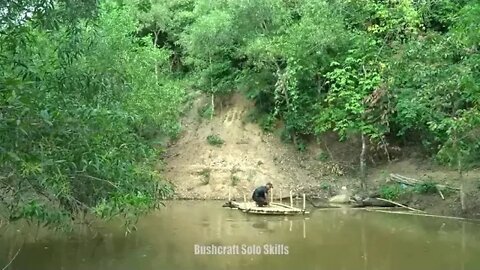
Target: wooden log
[412, 182]
[401, 205]
[375, 202]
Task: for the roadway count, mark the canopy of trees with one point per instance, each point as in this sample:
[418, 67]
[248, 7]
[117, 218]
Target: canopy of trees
[80, 105]
[85, 89]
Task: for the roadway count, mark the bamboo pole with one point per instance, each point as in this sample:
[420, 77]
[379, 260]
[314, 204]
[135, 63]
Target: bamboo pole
[291, 199]
[441, 194]
[401, 205]
[304, 202]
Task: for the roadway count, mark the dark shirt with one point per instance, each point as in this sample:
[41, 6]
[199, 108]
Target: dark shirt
[260, 192]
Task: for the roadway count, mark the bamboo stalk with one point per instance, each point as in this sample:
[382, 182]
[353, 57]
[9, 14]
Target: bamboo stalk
[401, 205]
[303, 202]
[291, 199]
[441, 194]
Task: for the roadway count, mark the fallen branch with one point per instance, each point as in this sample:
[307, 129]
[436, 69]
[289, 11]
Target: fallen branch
[401, 205]
[16, 254]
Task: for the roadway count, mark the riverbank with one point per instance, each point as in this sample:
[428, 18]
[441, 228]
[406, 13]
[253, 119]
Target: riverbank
[226, 153]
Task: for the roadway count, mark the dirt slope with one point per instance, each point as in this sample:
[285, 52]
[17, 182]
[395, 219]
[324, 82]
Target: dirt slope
[248, 158]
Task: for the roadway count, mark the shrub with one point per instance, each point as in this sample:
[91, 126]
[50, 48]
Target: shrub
[425, 188]
[206, 112]
[391, 192]
[206, 176]
[234, 180]
[215, 140]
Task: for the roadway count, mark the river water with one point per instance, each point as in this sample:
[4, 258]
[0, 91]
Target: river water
[326, 239]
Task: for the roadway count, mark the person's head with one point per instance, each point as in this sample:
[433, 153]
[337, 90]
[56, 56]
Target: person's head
[269, 185]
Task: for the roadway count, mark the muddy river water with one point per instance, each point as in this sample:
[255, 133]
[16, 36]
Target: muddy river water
[203, 235]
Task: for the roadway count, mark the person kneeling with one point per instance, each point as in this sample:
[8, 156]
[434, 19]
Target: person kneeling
[260, 194]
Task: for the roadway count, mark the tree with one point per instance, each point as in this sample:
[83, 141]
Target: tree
[75, 102]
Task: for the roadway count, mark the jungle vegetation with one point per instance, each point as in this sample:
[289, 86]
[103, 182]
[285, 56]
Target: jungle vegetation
[87, 88]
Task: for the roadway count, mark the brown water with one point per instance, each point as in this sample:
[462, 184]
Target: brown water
[332, 239]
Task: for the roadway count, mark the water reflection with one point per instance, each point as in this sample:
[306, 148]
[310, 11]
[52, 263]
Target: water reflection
[333, 239]
[261, 225]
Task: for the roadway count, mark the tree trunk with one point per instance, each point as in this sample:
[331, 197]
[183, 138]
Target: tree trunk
[363, 164]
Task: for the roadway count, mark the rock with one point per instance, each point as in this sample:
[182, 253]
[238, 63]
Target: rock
[342, 198]
[357, 198]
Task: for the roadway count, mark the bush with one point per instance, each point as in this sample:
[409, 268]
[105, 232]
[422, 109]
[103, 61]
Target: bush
[425, 188]
[391, 192]
[215, 140]
[206, 176]
[267, 122]
[234, 179]
[206, 112]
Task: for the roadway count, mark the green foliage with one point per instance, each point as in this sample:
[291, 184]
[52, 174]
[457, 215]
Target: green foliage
[215, 140]
[79, 104]
[325, 186]
[205, 173]
[265, 121]
[391, 192]
[86, 88]
[425, 188]
[323, 156]
[206, 112]
[301, 145]
[234, 180]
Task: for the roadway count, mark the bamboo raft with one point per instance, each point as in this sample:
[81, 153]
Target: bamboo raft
[274, 208]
